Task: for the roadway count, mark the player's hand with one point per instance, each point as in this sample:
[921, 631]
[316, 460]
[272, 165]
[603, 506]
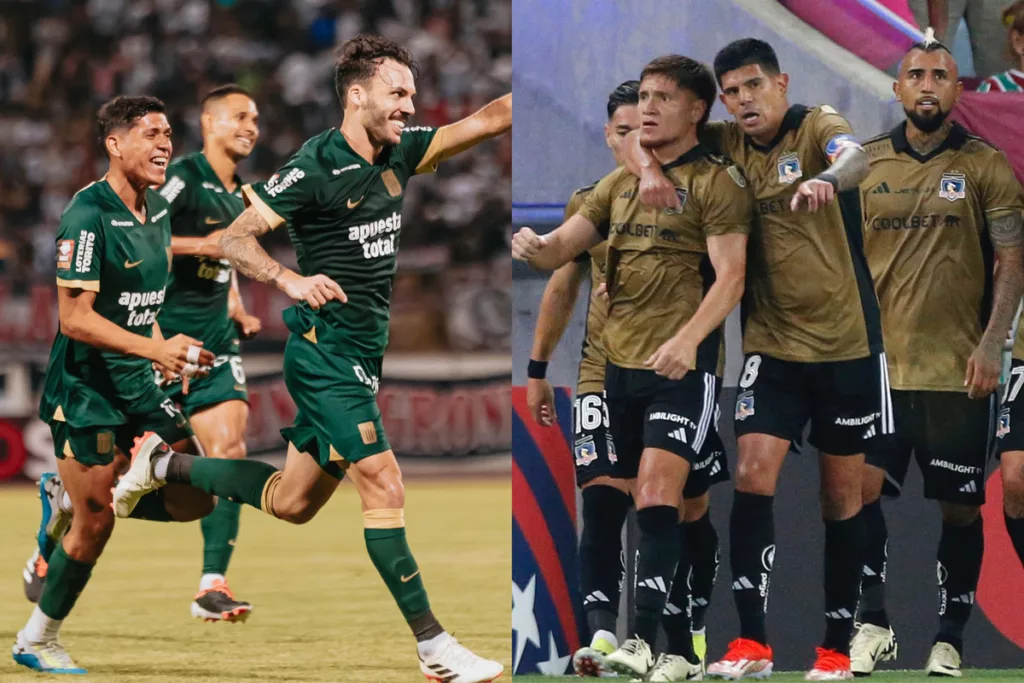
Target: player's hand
[657, 191]
[526, 244]
[316, 290]
[674, 358]
[983, 369]
[816, 194]
[211, 245]
[540, 397]
[184, 356]
[248, 325]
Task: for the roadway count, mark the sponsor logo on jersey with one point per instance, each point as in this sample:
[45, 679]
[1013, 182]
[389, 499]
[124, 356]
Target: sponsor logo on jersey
[276, 185]
[953, 186]
[213, 188]
[144, 301]
[671, 417]
[707, 461]
[415, 128]
[350, 167]
[383, 246]
[839, 143]
[86, 242]
[157, 217]
[586, 451]
[65, 248]
[931, 220]
[172, 188]
[789, 169]
[856, 421]
[682, 194]
[122, 224]
[953, 467]
[744, 405]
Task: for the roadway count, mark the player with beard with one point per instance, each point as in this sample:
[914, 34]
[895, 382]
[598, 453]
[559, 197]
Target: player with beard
[341, 198]
[811, 337]
[939, 206]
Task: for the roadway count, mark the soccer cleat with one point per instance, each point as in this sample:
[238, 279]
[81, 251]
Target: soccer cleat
[831, 665]
[591, 661]
[55, 521]
[870, 645]
[745, 658]
[455, 663]
[700, 647]
[673, 669]
[633, 658]
[34, 576]
[49, 657]
[944, 660]
[217, 603]
[139, 479]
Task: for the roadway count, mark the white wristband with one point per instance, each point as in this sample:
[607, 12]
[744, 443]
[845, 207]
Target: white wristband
[192, 355]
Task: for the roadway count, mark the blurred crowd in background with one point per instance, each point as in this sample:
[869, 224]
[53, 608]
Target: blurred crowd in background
[61, 59]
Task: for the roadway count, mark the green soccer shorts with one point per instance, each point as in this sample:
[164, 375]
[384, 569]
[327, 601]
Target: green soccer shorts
[338, 420]
[95, 445]
[226, 382]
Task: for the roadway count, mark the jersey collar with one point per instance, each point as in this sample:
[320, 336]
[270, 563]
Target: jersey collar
[955, 140]
[698, 151]
[339, 139]
[793, 119]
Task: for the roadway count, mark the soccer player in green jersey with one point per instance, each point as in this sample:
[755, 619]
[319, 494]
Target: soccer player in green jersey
[341, 198]
[113, 256]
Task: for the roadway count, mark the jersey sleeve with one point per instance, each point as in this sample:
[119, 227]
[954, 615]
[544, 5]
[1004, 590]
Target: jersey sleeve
[80, 243]
[832, 133]
[1000, 190]
[295, 187]
[727, 207]
[177, 190]
[422, 148]
[571, 207]
[597, 207]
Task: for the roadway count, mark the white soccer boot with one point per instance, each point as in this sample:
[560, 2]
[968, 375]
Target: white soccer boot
[48, 657]
[139, 479]
[633, 658]
[944, 660]
[675, 669]
[871, 644]
[455, 663]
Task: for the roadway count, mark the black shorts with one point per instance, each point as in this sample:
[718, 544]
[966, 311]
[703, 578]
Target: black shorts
[593, 449]
[847, 402]
[1010, 426]
[950, 435]
[679, 416]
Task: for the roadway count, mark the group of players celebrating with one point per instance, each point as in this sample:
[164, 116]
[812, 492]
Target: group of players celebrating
[879, 280]
[145, 268]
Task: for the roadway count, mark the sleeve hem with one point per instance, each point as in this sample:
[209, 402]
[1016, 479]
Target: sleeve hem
[262, 208]
[435, 152]
[87, 285]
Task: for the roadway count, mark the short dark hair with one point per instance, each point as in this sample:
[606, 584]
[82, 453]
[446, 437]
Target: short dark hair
[744, 52]
[928, 46]
[223, 91]
[359, 58]
[627, 94]
[689, 74]
[123, 111]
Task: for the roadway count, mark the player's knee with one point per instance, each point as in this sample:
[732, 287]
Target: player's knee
[871, 485]
[840, 500]
[958, 514]
[754, 476]
[1012, 471]
[695, 508]
[88, 535]
[656, 491]
[388, 490]
[233, 449]
[294, 509]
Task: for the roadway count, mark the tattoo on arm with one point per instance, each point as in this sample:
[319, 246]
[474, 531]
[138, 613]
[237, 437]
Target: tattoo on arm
[849, 169]
[243, 250]
[1007, 290]
[1007, 231]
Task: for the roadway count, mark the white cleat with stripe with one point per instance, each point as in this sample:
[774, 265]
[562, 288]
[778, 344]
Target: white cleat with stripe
[455, 663]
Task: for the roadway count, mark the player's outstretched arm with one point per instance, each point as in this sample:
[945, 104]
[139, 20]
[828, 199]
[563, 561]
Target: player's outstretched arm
[558, 247]
[208, 246]
[985, 364]
[845, 173]
[490, 121]
[728, 255]
[248, 325]
[80, 322]
[556, 306]
[243, 251]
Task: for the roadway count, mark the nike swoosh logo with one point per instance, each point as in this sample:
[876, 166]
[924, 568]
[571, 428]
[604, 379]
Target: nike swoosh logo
[211, 221]
[353, 205]
[129, 264]
[407, 579]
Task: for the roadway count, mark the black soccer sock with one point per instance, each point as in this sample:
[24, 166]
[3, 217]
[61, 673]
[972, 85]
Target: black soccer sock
[658, 553]
[604, 512]
[676, 616]
[844, 562]
[876, 552]
[751, 555]
[1015, 527]
[960, 552]
[702, 540]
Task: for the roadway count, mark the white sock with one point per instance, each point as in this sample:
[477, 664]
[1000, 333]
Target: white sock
[65, 502]
[41, 628]
[160, 466]
[605, 635]
[428, 648]
[209, 579]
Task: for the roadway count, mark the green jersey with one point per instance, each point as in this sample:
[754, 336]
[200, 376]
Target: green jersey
[197, 293]
[344, 218]
[103, 248]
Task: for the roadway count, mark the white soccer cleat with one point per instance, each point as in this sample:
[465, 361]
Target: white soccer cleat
[944, 660]
[744, 658]
[49, 657]
[871, 644]
[675, 669]
[455, 663]
[633, 658]
[139, 479]
[592, 662]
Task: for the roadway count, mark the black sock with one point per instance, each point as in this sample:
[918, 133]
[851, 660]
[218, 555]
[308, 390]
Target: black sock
[960, 552]
[658, 553]
[844, 562]
[702, 540]
[752, 553]
[179, 468]
[604, 512]
[676, 617]
[1015, 527]
[876, 551]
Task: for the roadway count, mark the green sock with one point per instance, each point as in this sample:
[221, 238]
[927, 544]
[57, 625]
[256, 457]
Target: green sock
[151, 508]
[220, 528]
[241, 481]
[65, 580]
[394, 562]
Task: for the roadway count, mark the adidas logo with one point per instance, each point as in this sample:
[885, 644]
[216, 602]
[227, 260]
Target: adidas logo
[699, 602]
[742, 583]
[596, 596]
[716, 467]
[678, 434]
[881, 189]
[671, 610]
[655, 584]
[969, 487]
[442, 674]
[868, 571]
[870, 432]
[842, 613]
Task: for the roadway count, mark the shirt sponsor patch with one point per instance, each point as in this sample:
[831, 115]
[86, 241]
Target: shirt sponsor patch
[838, 144]
[65, 250]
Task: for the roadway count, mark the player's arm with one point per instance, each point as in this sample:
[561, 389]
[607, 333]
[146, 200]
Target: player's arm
[558, 247]
[848, 162]
[655, 188]
[490, 121]
[208, 246]
[249, 325]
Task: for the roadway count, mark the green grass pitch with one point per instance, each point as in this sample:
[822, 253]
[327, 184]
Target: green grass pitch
[321, 612]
